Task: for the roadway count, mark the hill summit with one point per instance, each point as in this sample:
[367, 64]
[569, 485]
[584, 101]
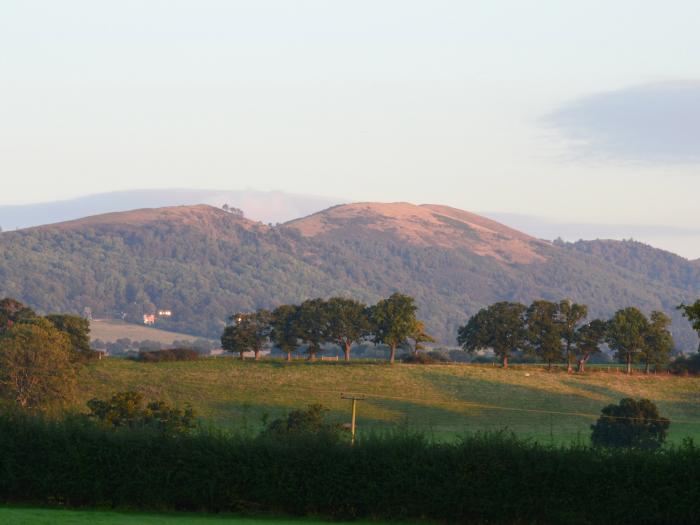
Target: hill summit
[424, 225]
[203, 264]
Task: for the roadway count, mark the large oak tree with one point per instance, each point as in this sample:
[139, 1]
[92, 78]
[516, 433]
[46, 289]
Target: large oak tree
[500, 327]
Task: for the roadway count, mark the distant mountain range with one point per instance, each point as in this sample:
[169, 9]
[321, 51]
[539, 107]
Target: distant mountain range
[204, 264]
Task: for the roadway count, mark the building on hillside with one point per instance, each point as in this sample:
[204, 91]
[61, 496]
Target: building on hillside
[149, 319]
[164, 313]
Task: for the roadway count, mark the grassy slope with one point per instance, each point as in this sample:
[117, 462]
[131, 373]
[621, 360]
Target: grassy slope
[23, 516]
[110, 330]
[444, 400]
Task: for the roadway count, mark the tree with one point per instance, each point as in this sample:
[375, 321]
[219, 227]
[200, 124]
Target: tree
[500, 327]
[78, 331]
[127, 410]
[311, 325]
[658, 340]
[570, 314]
[347, 322]
[247, 333]
[544, 332]
[13, 311]
[692, 312]
[630, 424]
[283, 333]
[394, 321]
[35, 365]
[626, 334]
[419, 337]
[589, 337]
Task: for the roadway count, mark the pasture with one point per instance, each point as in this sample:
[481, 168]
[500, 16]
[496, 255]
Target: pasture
[443, 401]
[109, 330]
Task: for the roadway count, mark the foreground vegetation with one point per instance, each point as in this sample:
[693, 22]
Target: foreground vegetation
[488, 478]
[442, 400]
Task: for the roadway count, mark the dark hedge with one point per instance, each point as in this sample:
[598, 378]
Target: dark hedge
[483, 479]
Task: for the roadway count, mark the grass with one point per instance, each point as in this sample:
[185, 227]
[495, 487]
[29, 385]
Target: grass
[37, 516]
[444, 401]
[109, 330]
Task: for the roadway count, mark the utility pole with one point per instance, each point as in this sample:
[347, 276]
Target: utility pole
[355, 398]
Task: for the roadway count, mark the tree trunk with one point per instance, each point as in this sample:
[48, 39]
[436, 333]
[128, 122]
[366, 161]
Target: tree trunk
[289, 356]
[242, 358]
[549, 364]
[392, 354]
[505, 361]
[629, 363]
[257, 354]
[312, 355]
[346, 350]
[582, 363]
[646, 367]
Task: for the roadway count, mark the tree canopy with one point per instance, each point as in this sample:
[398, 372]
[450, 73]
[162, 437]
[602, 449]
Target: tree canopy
[630, 424]
[36, 371]
[500, 327]
[394, 321]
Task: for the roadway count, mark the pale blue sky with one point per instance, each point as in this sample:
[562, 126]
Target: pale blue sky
[576, 111]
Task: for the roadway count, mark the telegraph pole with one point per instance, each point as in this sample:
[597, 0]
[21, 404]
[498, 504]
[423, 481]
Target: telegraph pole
[355, 398]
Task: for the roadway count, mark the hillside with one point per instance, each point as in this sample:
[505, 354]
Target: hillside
[204, 264]
[442, 400]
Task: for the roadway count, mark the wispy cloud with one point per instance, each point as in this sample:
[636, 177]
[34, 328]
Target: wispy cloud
[655, 123]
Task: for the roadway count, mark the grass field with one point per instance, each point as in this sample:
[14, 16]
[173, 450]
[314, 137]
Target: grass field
[29, 516]
[109, 330]
[444, 401]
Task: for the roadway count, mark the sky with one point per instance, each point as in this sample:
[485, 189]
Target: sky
[573, 113]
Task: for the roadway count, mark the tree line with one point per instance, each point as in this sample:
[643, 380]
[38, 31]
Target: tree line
[338, 320]
[560, 332]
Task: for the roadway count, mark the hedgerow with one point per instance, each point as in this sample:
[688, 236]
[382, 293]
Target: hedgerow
[490, 478]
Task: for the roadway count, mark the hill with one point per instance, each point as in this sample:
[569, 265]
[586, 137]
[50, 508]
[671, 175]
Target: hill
[443, 400]
[204, 264]
[266, 206]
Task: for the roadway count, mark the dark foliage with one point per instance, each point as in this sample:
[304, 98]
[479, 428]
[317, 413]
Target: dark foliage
[483, 479]
[685, 365]
[425, 358]
[630, 424]
[129, 410]
[309, 422]
[169, 354]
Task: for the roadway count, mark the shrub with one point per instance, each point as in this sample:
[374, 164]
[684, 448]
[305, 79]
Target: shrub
[312, 421]
[686, 365]
[170, 354]
[630, 424]
[425, 358]
[126, 409]
[481, 479]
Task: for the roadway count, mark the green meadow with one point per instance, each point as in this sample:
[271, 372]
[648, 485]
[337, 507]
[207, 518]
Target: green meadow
[443, 401]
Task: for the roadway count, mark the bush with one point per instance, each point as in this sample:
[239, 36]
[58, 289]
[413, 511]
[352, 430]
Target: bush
[630, 424]
[425, 358]
[311, 421]
[170, 354]
[686, 365]
[482, 479]
[126, 409]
